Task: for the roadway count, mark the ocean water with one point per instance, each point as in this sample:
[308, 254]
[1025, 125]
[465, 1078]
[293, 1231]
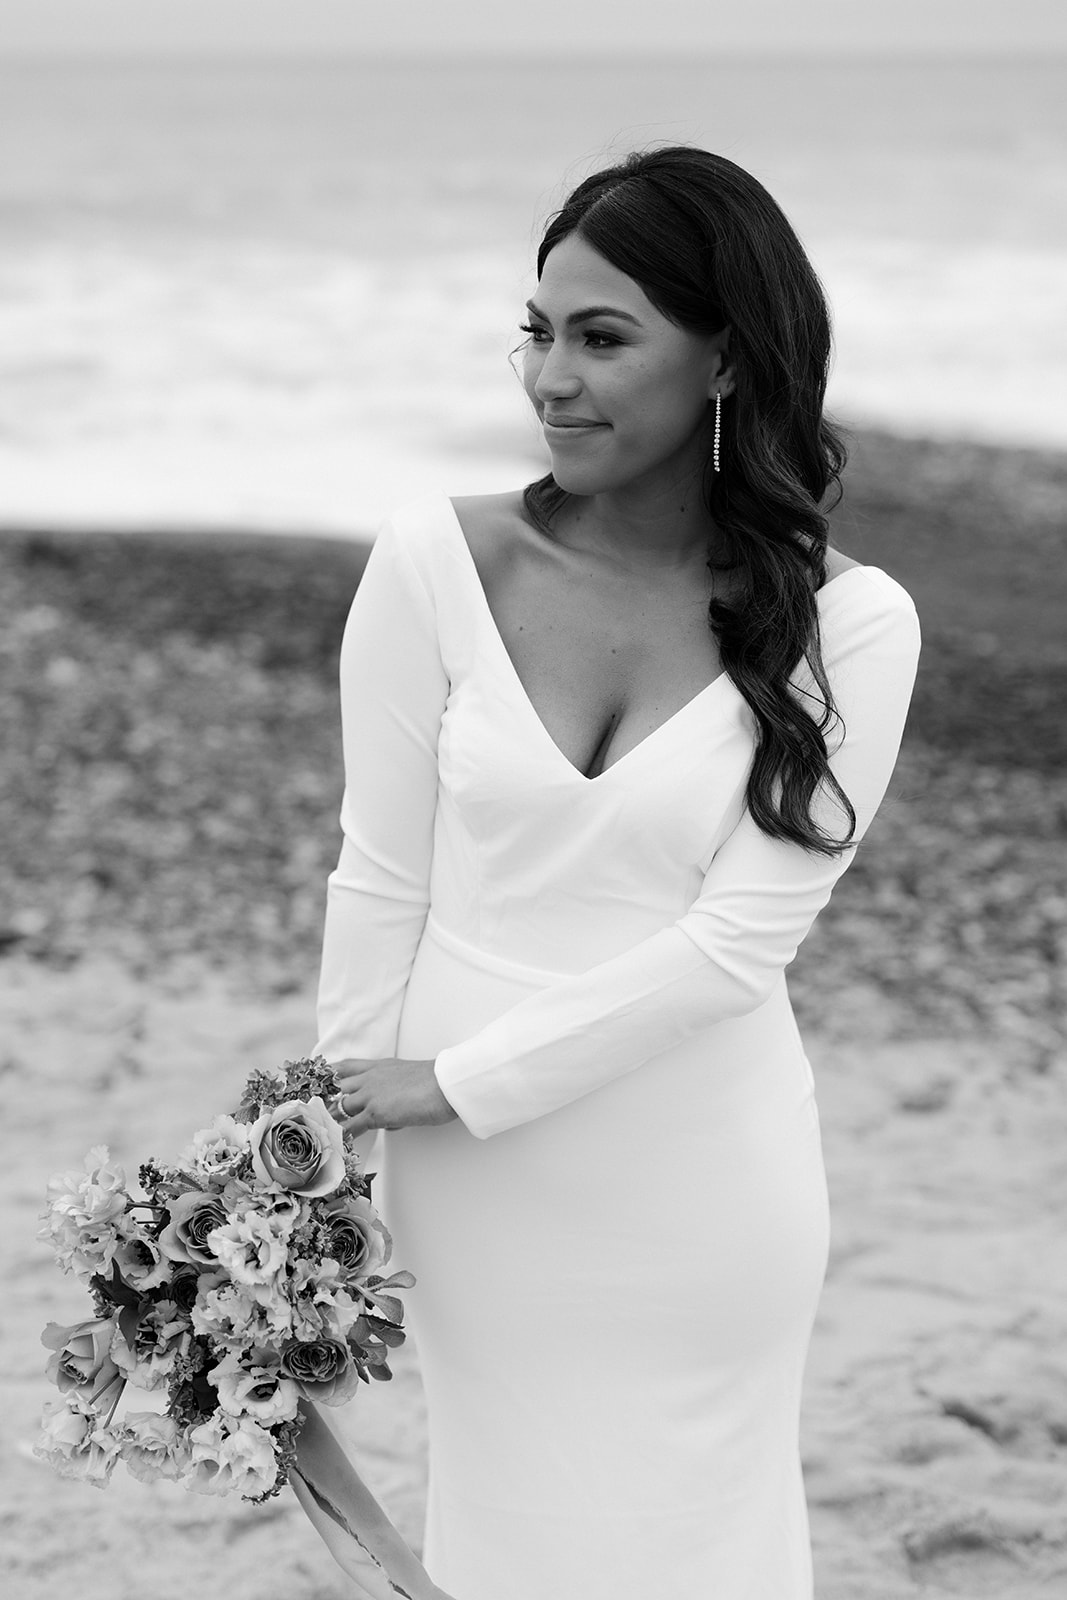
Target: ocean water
[284, 296]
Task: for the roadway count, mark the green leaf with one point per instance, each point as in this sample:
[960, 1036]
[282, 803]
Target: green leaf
[388, 1305]
[388, 1333]
[129, 1321]
[399, 1280]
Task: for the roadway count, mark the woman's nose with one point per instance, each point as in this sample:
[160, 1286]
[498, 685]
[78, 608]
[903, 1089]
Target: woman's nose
[556, 379]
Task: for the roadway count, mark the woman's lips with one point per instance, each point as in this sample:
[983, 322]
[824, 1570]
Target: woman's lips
[559, 426]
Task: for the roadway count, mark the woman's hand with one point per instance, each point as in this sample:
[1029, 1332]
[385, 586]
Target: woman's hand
[390, 1094]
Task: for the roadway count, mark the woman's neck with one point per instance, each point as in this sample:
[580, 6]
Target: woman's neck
[668, 530]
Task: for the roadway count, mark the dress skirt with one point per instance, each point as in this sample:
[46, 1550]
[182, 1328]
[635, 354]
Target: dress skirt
[613, 1309]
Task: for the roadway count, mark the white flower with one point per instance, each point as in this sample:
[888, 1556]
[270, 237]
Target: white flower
[82, 1222]
[151, 1445]
[254, 1390]
[317, 1297]
[140, 1261]
[162, 1335]
[216, 1149]
[285, 1210]
[74, 1443]
[65, 1427]
[251, 1249]
[96, 1195]
[231, 1318]
[230, 1454]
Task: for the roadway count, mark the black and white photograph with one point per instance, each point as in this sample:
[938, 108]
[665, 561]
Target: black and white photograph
[533, 799]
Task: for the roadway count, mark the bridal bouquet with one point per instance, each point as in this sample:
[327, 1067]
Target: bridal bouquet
[242, 1280]
[231, 1290]
[229, 1293]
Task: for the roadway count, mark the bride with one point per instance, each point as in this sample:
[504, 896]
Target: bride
[609, 743]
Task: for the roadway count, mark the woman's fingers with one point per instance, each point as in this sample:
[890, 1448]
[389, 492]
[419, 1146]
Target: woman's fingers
[357, 1112]
[354, 1102]
[389, 1094]
[359, 1124]
[351, 1073]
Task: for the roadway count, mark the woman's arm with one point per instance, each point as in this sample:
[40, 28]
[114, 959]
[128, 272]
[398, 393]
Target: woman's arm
[393, 692]
[726, 955]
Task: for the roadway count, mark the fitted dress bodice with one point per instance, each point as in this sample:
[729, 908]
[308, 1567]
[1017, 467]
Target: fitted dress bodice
[602, 862]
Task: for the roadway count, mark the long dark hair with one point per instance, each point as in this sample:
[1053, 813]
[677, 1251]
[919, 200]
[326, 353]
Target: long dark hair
[711, 250]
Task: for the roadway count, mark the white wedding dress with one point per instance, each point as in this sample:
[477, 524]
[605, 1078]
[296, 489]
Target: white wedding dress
[621, 1243]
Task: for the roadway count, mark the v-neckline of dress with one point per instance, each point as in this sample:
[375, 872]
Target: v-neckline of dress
[497, 636]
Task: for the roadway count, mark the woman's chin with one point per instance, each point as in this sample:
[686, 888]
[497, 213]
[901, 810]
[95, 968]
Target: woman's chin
[575, 478]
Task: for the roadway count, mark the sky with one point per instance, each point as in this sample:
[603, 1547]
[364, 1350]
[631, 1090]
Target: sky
[547, 27]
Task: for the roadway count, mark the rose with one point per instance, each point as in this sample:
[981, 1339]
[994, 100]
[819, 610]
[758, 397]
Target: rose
[188, 1282]
[299, 1146]
[323, 1368]
[151, 1446]
[255, 1389]
[193, 1215]
[229, 1453]
[82, 1359]
[358, 1238]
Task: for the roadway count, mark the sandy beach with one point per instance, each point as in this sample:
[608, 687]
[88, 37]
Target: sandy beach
[169, 809]
[935, 1424]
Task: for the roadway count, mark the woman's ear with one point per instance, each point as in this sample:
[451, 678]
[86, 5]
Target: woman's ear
[723, 376]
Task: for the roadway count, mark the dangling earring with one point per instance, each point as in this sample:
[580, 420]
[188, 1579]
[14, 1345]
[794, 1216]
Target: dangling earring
[718, 431]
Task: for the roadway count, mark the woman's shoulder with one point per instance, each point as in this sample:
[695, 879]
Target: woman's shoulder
[861, 604]
[452, 548]
[836, 564]
[488, 524]
[867, 583]
[495, 527]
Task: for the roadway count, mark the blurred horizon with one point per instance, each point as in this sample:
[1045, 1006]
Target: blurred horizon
[282, 295]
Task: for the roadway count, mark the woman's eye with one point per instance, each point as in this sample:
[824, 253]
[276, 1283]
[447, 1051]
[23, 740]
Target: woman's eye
[593, 338]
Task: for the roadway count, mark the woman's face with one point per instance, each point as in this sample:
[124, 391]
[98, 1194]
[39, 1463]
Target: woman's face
[622, 392]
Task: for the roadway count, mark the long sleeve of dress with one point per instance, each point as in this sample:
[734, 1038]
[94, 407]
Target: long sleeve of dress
[393, 690]
[725, 956]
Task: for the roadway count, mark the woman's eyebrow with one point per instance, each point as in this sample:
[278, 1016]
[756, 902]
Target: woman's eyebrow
[586, 315]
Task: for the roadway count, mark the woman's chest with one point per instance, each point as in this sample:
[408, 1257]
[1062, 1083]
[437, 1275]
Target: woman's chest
[603, 665]
[667, 802]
